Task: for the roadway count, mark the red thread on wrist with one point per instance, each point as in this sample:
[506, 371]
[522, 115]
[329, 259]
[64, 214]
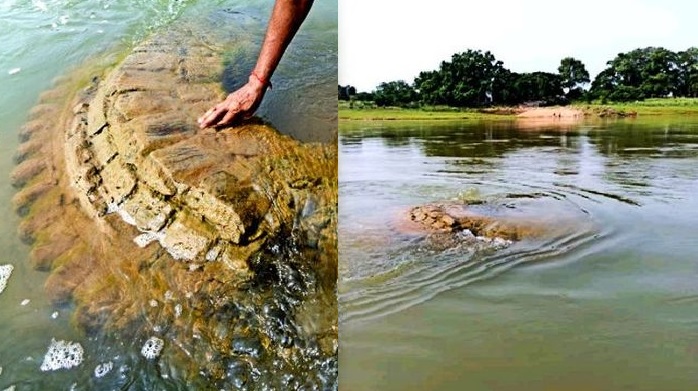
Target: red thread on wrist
[264, 82]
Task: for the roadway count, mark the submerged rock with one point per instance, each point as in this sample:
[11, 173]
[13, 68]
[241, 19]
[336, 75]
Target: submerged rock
[123, 199]
[447, 222]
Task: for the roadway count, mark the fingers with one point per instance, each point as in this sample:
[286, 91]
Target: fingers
[212, 115]
[229, 117]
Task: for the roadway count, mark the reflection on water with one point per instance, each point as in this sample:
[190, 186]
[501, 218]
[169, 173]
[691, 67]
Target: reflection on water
[45, 39]
[607, 292]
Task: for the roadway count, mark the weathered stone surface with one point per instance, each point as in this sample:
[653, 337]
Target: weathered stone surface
[26, 171]
[448, 218]
[127, 201]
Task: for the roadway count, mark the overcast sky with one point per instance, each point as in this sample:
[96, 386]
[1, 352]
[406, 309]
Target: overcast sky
[385, 40]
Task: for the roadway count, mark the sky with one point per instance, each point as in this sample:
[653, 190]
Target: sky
[386, 40]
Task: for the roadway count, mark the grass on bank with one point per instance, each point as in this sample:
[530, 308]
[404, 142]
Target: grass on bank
[653, 106]
[648, 107]
[429, 113]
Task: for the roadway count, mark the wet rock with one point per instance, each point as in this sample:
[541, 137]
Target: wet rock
[454, 217]
[125, 200]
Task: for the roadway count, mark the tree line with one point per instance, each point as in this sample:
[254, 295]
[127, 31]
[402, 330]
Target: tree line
[477, 79]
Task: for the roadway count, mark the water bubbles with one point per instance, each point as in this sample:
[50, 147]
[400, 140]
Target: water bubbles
[152, 348]
[25, 302]
[14, 71]
[54, 315]
[103, 369]
[153, 303]
[62, 354]
[178, 310]
[5, 273]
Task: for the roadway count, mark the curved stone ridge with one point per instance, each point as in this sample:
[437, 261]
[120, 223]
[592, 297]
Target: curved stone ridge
[252, 212]
[456, 217]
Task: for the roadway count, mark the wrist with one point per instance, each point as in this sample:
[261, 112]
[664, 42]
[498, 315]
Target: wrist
[259, 81]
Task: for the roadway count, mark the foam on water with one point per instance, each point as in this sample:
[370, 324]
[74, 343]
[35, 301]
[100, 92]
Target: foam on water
[104, 368]
[152, 348]
[62, 355]
[5, 273]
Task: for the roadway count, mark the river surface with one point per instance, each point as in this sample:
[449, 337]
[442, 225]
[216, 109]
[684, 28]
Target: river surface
[43, 39]
[605, 299]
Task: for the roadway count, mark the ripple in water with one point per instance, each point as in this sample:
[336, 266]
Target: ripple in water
[385, 271]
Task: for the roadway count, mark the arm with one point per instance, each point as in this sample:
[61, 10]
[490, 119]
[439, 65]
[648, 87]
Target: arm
[286, 18]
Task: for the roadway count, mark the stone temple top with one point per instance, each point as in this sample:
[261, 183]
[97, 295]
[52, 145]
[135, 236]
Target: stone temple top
[119, 187]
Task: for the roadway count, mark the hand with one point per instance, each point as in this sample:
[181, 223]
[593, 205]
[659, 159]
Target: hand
[240, 104]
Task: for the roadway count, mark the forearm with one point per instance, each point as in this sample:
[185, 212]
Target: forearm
[286, 17]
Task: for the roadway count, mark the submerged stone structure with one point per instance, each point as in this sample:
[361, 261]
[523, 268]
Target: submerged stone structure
[447, 218]
[222, 243]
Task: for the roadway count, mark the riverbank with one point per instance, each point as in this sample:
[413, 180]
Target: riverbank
[649, 107]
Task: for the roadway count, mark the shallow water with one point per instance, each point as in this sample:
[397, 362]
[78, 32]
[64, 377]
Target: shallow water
[43, 40]
[604, 299]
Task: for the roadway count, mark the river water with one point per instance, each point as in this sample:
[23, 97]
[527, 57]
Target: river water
[43, 39]
[604, 299]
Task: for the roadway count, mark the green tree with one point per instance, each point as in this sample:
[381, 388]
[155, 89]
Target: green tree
[573, 76]
[345, 92]
[539, 86]
[466, 81]
[687, 62]
[394, 93]
[641, 73]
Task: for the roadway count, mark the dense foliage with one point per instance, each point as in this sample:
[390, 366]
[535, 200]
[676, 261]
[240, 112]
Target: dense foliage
[476, 79]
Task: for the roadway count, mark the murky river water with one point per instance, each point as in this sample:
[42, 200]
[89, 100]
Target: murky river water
[43, 39]
[605, 299]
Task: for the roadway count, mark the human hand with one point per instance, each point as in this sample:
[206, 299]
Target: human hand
[240, 104]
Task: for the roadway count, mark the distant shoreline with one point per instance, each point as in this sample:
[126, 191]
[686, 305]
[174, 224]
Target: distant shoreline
[650, 107]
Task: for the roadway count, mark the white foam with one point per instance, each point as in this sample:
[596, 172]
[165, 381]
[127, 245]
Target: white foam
[103, 369]
[10, 388]
[54, 315]
[25, 302]
[153, 303]
[178, 310]
[62, 354]
[152, 348]
[14, 71]
[5, 273]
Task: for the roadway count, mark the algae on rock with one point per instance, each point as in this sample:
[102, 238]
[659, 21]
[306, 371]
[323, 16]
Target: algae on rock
[232, 233]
